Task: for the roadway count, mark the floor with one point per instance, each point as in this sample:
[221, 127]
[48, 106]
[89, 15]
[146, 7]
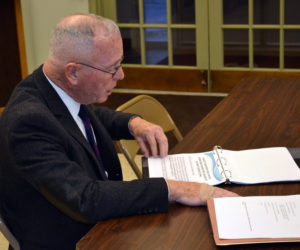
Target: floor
[3, 242]
[186, 112]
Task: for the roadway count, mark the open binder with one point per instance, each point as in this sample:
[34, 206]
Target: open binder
[252, 166]
[232, 210]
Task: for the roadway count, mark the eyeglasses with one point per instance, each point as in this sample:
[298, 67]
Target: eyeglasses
[102, 70]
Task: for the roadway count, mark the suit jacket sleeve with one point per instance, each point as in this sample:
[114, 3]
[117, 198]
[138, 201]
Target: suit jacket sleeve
[116, 123]
[57, 165]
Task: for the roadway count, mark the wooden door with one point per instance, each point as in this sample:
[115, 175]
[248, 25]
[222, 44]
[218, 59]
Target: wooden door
[12, 50]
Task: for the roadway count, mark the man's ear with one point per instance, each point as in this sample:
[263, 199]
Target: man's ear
[71, 71]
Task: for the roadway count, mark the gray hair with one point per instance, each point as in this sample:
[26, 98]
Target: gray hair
[74, 37]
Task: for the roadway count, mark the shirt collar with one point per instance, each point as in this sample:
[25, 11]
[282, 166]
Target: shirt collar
[70, 103]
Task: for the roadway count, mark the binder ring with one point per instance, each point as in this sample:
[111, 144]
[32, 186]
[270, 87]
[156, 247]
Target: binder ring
[224, 172]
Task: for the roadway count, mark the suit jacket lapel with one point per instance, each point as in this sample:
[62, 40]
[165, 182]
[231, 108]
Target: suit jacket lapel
[59, 109]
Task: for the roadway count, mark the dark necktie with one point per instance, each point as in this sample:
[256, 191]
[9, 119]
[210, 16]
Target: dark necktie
[83, 114]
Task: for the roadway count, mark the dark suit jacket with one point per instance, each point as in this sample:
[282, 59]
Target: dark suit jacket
[51, 184]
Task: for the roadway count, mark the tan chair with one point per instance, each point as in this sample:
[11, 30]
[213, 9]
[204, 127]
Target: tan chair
[153, 111]
[8, 235]
[1, 110]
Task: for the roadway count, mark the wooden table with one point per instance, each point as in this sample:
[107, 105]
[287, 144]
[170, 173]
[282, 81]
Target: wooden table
[257, 113]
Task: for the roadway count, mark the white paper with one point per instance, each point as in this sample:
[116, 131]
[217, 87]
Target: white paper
[198, 167]
[245, 166]
[262, 165]
[258, 217]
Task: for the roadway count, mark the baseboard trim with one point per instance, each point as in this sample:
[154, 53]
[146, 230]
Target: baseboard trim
[164, 92]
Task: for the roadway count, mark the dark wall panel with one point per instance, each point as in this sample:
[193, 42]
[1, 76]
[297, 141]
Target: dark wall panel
[10, 69]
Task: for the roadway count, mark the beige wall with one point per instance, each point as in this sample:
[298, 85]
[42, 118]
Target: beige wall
[39, 18]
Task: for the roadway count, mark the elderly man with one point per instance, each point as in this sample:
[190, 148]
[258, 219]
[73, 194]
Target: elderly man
[54, 185]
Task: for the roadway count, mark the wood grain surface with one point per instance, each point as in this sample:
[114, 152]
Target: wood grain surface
[257, 113]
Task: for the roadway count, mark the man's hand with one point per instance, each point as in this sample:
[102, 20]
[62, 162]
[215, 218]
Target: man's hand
[150, 137]
[193, 193]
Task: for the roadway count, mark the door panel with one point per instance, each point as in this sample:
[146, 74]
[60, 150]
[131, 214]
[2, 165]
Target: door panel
[224, 81]
[163, 79]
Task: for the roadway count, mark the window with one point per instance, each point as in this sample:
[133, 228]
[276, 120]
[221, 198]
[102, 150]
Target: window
[158, 32]
[208, 38]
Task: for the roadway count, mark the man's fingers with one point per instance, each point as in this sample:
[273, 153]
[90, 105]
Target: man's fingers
[143, 146]
[158, 140]
[220, 192]
[162, 141]
[152, 144]
[150, 137]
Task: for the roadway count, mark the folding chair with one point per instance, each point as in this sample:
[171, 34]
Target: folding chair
[153, 111]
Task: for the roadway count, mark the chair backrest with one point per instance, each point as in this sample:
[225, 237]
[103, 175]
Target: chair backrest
[8, 235]
[153, 111]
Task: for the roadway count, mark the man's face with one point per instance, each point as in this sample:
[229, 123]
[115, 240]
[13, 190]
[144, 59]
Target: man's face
[94, 86]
